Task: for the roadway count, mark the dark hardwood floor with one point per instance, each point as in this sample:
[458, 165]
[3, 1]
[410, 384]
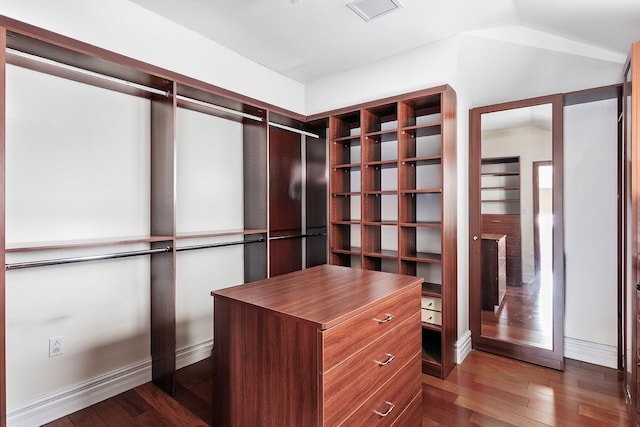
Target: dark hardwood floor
[525, 315]
[485, 390]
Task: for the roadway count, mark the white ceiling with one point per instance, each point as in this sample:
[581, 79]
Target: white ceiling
[317, 38]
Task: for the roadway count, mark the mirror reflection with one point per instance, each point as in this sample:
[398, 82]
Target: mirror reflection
[516, 189]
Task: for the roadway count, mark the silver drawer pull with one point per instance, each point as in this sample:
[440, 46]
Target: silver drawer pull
[388, 411]
[390, 357]
[385, 320]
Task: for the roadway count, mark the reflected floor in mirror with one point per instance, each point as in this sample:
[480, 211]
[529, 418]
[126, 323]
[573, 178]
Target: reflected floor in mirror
[525, 315]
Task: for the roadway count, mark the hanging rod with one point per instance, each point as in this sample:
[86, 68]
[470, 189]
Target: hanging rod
[217, 245]
[79, 70]
[297, 236]
[219, 108]
[301, 132]
[46, 262]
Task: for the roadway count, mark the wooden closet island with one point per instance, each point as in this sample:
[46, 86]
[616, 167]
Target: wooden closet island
[324, 346]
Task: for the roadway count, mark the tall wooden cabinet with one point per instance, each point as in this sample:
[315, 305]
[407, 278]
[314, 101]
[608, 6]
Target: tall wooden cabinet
[393, 200]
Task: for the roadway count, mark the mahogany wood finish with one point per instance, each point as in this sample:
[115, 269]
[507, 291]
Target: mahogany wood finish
[3, 112]
[551, 358]
[285, 179]
[490, 390]
[631, 168]
[508, 225]
[163, 296]
[494, 266]
[393, 199]
[284, 346]
[285, 200]
[285, 256]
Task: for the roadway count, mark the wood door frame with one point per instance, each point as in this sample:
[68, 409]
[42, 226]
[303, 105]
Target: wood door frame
[551, 358]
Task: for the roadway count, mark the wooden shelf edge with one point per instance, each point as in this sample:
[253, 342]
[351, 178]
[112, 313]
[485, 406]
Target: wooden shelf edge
[433, 224]
[346, 166]
[424, 258]
[342, 139]
[385, 255]
[419, 127]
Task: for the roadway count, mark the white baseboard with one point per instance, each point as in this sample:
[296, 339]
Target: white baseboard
[52, 406]
[463, 347]
[194, 353]
[590, 352]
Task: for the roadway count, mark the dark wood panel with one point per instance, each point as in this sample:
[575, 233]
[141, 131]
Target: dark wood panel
[285, 256]
[254, 367]
[449, 231]
[316, 247]
[285, 180]
[508, 225]
[163, 293]
[494, 266]
[3, 112]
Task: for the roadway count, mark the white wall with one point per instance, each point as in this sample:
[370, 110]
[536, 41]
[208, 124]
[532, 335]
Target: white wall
[590, 198]
[77, 168]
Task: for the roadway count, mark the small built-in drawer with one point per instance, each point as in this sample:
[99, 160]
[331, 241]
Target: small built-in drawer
[431, 316]
[343, 340]
[349, 384]
[387, 404]
[432, 303]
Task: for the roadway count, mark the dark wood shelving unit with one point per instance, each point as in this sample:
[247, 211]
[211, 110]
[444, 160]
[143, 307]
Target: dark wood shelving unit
[268, 241]
[500, 186]
[403, 216]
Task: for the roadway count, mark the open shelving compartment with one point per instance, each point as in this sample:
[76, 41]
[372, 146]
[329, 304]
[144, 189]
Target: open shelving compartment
[407, 200]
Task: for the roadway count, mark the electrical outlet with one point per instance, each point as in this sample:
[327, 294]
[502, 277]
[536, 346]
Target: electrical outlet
[56, 346]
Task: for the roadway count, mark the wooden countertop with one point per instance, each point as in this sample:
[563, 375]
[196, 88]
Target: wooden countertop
[324, 295]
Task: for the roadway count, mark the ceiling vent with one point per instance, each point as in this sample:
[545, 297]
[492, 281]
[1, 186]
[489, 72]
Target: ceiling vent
[372, 9]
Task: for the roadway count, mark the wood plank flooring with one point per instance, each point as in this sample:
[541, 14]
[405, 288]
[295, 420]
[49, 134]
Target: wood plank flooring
[485, 390]
[525, 315]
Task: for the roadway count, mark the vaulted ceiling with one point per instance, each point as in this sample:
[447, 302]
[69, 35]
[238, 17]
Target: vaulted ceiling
[307, 40]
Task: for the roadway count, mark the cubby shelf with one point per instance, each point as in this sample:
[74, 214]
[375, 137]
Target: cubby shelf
[406, 197]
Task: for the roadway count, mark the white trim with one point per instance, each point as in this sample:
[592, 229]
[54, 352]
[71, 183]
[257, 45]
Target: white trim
[591, 352]
[193, 353]
[52, 406]
[463, 347]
